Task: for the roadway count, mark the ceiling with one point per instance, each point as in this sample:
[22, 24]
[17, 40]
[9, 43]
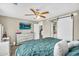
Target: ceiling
[19, 10]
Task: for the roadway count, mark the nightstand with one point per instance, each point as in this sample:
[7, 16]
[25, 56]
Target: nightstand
[4, 48]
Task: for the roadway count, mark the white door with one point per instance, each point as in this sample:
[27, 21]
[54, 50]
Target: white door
[46, 29]
[36, 31]
[65, 29]
[0, 32]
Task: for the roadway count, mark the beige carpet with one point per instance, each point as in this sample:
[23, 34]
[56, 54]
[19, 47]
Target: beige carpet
[13, 48]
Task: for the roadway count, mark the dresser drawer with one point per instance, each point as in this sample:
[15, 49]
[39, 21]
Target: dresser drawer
[23, 37]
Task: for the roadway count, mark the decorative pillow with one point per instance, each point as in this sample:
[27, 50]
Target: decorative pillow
[73, 43]
[61, 48]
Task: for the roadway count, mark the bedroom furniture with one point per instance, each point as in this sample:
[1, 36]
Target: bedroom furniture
[4, 48]
[68, 49]
[61, 48]
[73, 48]
[23, 37]
[74, 51]
[41, 47]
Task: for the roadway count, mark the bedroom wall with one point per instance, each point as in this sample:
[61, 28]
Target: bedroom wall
[76, 26]
[11, 26]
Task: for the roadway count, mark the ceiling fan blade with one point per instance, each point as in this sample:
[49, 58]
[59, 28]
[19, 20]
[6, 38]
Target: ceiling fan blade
[45, 12]
[33, 11]
[43, 16]
[29, 14]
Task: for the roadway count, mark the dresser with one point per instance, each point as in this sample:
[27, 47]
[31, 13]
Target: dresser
[23, 37]
[4, 48]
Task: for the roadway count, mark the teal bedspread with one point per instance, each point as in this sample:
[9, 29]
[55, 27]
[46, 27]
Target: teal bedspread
[41, 47]
[74, 51]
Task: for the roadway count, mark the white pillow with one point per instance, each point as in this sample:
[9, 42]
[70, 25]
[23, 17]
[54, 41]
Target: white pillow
[73, 43]
[61, 48]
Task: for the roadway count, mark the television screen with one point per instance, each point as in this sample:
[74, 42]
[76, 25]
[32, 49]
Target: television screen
[24, 26]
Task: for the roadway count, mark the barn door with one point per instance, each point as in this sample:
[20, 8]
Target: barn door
[65, 28]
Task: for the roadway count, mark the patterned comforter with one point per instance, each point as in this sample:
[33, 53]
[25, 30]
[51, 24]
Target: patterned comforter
[41, 47]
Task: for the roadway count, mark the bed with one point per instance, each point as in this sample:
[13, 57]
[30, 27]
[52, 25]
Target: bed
[41, 47]
[73, 47]
[74, 51]
[64, 48]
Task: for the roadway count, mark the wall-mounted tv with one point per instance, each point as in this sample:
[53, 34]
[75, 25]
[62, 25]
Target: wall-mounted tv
[24, 26]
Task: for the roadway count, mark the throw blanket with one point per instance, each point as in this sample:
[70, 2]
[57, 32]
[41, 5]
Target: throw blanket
[41, 47]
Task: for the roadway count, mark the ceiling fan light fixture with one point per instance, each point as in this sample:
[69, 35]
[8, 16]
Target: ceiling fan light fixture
[39, 14]
[38, 17]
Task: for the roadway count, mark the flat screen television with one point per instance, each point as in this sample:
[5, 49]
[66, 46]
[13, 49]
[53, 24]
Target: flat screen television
[24, 26]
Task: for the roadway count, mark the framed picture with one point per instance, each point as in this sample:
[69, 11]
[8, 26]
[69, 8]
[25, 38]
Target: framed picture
[24, 26]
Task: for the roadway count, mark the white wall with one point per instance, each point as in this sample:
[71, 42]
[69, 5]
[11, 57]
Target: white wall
[0, 33]
[76, 26]
[11, 25]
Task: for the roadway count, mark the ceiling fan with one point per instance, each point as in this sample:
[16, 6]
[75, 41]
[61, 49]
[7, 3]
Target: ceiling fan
[37, 13]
